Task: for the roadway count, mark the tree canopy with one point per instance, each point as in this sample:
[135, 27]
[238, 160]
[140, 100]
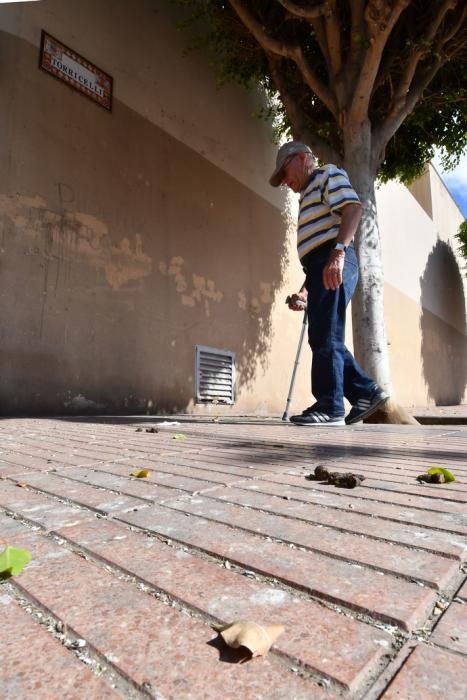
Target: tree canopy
[461, 236]
[401, 64]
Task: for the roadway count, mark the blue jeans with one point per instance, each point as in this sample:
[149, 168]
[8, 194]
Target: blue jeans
[334, 372]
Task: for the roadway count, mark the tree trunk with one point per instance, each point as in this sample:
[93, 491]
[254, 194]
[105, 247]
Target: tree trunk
[369, 335]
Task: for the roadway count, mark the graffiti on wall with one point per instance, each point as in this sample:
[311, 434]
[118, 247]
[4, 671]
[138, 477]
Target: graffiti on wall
[67, 236]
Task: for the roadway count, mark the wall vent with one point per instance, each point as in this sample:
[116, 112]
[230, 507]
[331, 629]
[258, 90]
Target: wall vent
[215, 375]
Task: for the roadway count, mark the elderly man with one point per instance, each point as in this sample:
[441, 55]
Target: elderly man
[328, 219]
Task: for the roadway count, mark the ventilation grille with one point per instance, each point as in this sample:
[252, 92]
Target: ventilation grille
[215, 375]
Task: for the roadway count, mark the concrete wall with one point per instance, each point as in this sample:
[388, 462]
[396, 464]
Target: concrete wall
[129, 237]
[425, 291]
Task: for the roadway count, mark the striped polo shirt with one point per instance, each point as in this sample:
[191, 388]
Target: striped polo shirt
[321, 203]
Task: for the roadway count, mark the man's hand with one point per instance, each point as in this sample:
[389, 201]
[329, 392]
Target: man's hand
[332, 271]
[294, 298]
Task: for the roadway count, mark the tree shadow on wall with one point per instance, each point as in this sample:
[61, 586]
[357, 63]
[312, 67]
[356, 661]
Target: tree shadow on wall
[444, 343]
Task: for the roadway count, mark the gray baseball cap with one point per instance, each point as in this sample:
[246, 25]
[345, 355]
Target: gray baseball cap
[290, 148]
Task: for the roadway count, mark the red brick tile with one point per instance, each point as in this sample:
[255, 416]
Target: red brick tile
[441, 493]
[383, 596]
[146, 489]
[35, 456]
[182, 483]
[146, 640]
[7, 469]
[334, 645]
[403, 481]
[39, 508]
[423, 538]
[161, 466]
[232, 469]
[26, 462]
[430, 568]
[452, 519]
[81, 494]
[11, 530]
[215, 454]
[259, 459]
[34, 665]
[415, 499]
[451, 630]
[463, 592]
[430, 674]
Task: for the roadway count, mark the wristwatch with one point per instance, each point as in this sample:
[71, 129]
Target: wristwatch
[340, 246]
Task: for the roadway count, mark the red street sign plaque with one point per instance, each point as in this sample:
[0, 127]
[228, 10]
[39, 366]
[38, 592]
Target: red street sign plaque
[80, 74]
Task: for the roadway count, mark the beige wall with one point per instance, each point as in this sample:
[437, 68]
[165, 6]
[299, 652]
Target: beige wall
[425, 291]
[126, 242]
[129, 237]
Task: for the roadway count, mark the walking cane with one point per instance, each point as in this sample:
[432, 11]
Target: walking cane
[297, 360]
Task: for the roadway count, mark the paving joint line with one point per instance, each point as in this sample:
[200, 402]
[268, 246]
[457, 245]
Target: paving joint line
[222, 562]
[96, 662]
[76, 504]
[426, 494]
[353, 609]
[377, 538]
[416, 638]
[365, 498]
[292, 663]
[186, 491]
[294, 545]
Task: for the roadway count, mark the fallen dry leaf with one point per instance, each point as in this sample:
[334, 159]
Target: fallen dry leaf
[258, 639]
[21, 484]
[140, 473]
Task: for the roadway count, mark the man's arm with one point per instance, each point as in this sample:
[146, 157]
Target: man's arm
[350, 219]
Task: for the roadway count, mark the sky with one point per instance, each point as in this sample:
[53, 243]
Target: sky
[456, 181]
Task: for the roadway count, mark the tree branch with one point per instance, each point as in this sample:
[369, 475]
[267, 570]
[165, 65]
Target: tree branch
[388, 128]
[333, 38]
[414, 59]
[320, 34]
[357, 29]
[305, 12]
[457, 26]
[280, 48]
[267, 42]
[297, 117]
[380, 28]
[315, 15]
[313, 82]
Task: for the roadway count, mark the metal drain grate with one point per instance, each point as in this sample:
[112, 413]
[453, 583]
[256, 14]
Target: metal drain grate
[215, 375]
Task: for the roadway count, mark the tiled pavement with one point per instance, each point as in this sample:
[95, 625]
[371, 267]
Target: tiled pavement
[127, 575]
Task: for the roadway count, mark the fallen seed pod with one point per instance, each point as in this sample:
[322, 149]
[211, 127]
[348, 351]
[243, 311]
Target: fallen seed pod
[431, 478]
[321, 474]
[347, 481]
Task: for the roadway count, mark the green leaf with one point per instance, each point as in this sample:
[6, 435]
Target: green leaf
[12, 561]
[448, 476]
